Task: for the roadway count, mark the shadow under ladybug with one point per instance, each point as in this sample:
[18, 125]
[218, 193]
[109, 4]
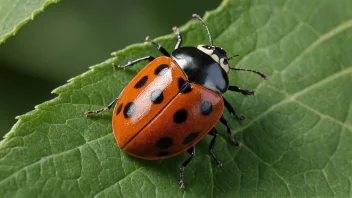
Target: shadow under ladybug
[174, 102]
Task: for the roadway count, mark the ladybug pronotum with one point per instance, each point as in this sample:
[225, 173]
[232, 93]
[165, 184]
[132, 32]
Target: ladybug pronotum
[174, 102]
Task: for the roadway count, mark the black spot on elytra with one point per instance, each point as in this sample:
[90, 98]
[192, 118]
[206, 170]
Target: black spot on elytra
[206, 107]
[164, 143]
[190, 138]
[161, 69]
[141, 82]
[129, 109]
[180, 116]
[118, 110]
[157, 96]
[162, 154]
[181, 82]
[184, 86]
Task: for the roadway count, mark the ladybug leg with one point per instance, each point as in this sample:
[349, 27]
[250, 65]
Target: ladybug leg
[130, 63]
[251, 70]
[158, 46]
[232, 110]
[191, 151]
[179, 37]
[229, 133]
[242, 91]
[213, 133]
[101, 110]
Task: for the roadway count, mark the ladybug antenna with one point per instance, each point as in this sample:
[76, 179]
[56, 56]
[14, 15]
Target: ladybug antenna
[206, 27]
[251, 70]
[233, 56]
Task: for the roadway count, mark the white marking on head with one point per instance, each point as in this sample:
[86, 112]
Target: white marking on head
[223, 62]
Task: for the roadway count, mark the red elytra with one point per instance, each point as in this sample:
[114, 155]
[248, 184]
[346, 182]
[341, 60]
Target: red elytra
[174, 102]
[153, 127]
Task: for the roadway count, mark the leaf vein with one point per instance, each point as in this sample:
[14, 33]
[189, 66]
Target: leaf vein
[51, 156]
[338, 29]
[266, 163]
[294, 96]
[126, 176]
[320, 114]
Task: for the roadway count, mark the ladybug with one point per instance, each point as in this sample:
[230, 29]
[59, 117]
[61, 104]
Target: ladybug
[174, 102]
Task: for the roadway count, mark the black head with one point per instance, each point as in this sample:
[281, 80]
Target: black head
[218, 54]
[206, 65]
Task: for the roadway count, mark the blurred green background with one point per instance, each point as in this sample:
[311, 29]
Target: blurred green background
[70, 36]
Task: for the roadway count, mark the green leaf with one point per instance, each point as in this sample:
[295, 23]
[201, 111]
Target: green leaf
[296, 137]
[14, 14]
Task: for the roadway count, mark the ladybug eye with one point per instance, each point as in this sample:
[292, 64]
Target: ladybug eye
[225, 62]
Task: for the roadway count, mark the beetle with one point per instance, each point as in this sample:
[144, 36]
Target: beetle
[174, 102]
